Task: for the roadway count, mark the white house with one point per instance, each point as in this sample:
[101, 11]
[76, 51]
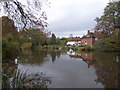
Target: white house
[75, 41]
[71, 43]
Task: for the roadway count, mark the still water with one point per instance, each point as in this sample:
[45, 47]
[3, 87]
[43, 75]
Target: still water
[80, 70]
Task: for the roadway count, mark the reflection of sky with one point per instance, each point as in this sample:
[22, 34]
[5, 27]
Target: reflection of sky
[66, 72]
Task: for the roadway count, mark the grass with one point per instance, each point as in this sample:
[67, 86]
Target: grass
[20, 79]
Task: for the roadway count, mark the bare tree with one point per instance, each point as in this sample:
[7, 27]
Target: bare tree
[26, 14]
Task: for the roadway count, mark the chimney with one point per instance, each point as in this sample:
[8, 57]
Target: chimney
[88, 31]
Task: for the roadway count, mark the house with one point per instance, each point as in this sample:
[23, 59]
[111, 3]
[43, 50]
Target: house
[88, 39]
[74, 42]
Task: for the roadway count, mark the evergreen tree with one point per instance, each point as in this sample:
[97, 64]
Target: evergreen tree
[53, 39]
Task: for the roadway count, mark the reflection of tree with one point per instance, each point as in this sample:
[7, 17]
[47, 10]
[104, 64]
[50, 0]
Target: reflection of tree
[35, 80]
[54, 54]
[106, 69]
[106, 65]
[58, 54]
[33, 57]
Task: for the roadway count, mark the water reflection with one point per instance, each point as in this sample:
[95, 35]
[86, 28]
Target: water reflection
[107, 70]
[87, 57]
[54, 55]
[38, 57]
[32, 57]
[106, 66]
[95, 69]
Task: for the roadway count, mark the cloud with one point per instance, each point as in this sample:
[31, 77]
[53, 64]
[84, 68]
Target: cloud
[74, 16]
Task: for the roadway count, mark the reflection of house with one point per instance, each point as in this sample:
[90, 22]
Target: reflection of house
[76, 55]
[74, 41]
[88, 58]
[88, 39]
[84, 56]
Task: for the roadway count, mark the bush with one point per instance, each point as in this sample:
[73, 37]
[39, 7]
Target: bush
[87, 48]
[106, 45]
[74, 48]
[26, 46]
[9, 47]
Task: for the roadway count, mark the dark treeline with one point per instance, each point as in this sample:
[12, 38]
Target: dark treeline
[14, 41]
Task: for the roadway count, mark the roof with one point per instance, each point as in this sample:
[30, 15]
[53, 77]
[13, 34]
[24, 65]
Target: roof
[74, 39]
[89, 35]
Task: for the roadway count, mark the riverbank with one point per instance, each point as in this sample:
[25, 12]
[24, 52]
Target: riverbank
[85, 48]
[57, 47]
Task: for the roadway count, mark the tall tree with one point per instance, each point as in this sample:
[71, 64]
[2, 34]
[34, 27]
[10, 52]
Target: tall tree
[10, 44]
[53, 39]
[109, 21]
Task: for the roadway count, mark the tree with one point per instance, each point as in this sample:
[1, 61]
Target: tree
[8, 27]
[58, 41]
[64, 40]
[109, 21]
[10, 44]
[108, 28]
[37, 37]
[29, 15]
[53, 39]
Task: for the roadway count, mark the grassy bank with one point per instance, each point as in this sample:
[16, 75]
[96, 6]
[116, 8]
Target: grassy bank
[57, 47]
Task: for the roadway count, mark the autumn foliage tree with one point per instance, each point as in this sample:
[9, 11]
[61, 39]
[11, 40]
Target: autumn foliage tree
[8, 27]
[109, 21]
[10, 44]
[107, 29]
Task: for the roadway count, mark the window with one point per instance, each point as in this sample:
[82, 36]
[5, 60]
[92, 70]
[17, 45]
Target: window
[86, 42]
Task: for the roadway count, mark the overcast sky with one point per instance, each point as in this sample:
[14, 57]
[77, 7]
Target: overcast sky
[75, 17]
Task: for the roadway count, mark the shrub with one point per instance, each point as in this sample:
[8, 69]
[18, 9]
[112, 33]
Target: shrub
[106, 45]
[26, 46]
[87, 48]
[74, 48]
[9, 46]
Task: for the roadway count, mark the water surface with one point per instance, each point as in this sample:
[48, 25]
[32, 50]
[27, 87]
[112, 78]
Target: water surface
[82, 70]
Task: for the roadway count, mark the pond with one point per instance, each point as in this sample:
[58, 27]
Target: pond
[79, 70]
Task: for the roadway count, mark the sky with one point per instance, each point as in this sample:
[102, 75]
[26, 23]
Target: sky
[74, 17]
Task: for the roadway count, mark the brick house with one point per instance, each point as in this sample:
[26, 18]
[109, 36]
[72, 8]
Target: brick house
[88, 39]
